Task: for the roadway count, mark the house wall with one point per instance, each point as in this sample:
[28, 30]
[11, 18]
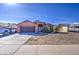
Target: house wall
[63, 29]
[25, 24]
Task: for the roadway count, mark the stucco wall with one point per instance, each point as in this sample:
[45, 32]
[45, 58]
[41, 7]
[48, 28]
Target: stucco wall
[25, 24]
[63, 29]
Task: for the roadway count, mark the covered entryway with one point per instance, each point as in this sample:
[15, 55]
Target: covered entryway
[28, 29]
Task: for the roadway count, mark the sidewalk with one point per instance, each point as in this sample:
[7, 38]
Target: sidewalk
[39, 49]
[48, 50]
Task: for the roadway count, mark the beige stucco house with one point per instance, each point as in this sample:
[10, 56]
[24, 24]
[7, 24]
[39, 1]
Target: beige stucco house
[62, 28]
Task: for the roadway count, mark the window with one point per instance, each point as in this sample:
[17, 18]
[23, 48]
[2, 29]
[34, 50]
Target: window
[76, 26]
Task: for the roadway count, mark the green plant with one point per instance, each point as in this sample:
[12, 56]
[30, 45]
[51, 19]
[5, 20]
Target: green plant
[46, 30]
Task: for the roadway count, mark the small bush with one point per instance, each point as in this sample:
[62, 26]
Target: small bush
[46, 30]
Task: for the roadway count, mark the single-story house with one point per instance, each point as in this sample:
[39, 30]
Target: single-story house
[28, 26]
[62, 28]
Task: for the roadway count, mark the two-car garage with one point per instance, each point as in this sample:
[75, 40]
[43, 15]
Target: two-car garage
[27, 26]
[28, 29]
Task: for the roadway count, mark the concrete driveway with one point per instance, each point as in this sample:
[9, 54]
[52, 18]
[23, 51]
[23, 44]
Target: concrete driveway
[10, 44]
[14, 45]
[14, 39]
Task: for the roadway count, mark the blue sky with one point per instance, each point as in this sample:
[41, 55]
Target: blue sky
[48, 12]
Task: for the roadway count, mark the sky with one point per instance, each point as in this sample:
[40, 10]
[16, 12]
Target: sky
[54, 13]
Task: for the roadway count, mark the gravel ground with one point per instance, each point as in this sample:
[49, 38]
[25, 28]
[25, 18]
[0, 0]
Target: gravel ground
[54, 39]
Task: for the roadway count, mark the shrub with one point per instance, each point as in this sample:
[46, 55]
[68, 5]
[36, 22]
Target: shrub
[46, 30]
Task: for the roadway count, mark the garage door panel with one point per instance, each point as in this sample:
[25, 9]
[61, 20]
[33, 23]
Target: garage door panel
[28, 29]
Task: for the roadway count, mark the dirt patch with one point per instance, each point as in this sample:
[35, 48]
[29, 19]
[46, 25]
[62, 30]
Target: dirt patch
[54, 39]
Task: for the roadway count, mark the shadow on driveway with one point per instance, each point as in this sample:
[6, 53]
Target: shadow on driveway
[1, 35]
[34, 34]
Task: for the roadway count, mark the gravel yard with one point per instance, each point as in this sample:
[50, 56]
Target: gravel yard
[54, 39]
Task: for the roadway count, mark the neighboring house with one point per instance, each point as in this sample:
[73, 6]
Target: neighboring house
[7, 28]
[12, 25]
[8, 25]
[62, 28]
[3, 24]
[28, 26]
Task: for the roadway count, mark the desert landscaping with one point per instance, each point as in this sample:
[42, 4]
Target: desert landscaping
[54, 39]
